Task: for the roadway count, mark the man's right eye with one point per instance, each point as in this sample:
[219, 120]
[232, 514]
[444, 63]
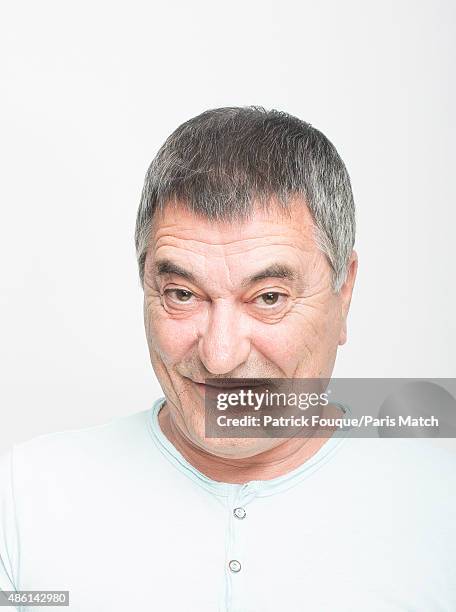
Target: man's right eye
[179, 295]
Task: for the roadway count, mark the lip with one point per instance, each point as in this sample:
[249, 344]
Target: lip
[209, 392]
[232, 384]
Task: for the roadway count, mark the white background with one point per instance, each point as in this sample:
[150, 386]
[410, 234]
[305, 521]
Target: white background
[89, 92]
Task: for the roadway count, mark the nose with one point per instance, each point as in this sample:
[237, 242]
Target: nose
[224, 344]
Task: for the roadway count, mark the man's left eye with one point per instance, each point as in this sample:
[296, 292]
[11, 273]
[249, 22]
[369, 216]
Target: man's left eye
[271, 298]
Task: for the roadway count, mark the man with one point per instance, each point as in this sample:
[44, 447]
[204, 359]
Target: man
[244, 240]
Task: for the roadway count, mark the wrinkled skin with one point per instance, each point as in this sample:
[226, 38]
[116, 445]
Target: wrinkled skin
[206, 318]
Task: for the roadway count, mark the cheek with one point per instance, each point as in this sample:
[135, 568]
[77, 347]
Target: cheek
[303, 337]
[170, 339]
[285, 344]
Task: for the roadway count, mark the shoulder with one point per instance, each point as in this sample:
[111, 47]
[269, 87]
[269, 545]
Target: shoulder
[399, 455]
[79, 452]
[412, 473]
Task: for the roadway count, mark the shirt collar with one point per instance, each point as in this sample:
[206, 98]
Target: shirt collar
[260, 488]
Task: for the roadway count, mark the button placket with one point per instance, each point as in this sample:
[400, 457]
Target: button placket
[238, 523]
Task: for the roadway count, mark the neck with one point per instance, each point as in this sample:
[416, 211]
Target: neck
[268, 464]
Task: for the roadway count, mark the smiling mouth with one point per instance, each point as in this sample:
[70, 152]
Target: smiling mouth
[242, 383]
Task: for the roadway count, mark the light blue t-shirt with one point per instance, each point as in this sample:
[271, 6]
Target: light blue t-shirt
[117, 516]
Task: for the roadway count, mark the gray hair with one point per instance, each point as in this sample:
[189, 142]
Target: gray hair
[221, 162]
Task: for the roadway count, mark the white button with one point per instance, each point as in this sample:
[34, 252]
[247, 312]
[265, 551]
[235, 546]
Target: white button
[234, 566]
[239, 513]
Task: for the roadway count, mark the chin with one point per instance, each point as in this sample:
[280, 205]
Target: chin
[235, 448]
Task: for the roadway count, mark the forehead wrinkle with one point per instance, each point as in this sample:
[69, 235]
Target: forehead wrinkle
[194, 256]
[181, 265]
[244, 245]
[195, 265]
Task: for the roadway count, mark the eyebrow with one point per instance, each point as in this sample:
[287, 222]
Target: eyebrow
[166, 266]
[283, 271]
[273, 271]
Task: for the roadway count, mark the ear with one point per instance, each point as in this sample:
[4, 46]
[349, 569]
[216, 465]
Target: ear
[345, 294]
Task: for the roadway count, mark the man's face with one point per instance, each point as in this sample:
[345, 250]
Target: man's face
[247, 299]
